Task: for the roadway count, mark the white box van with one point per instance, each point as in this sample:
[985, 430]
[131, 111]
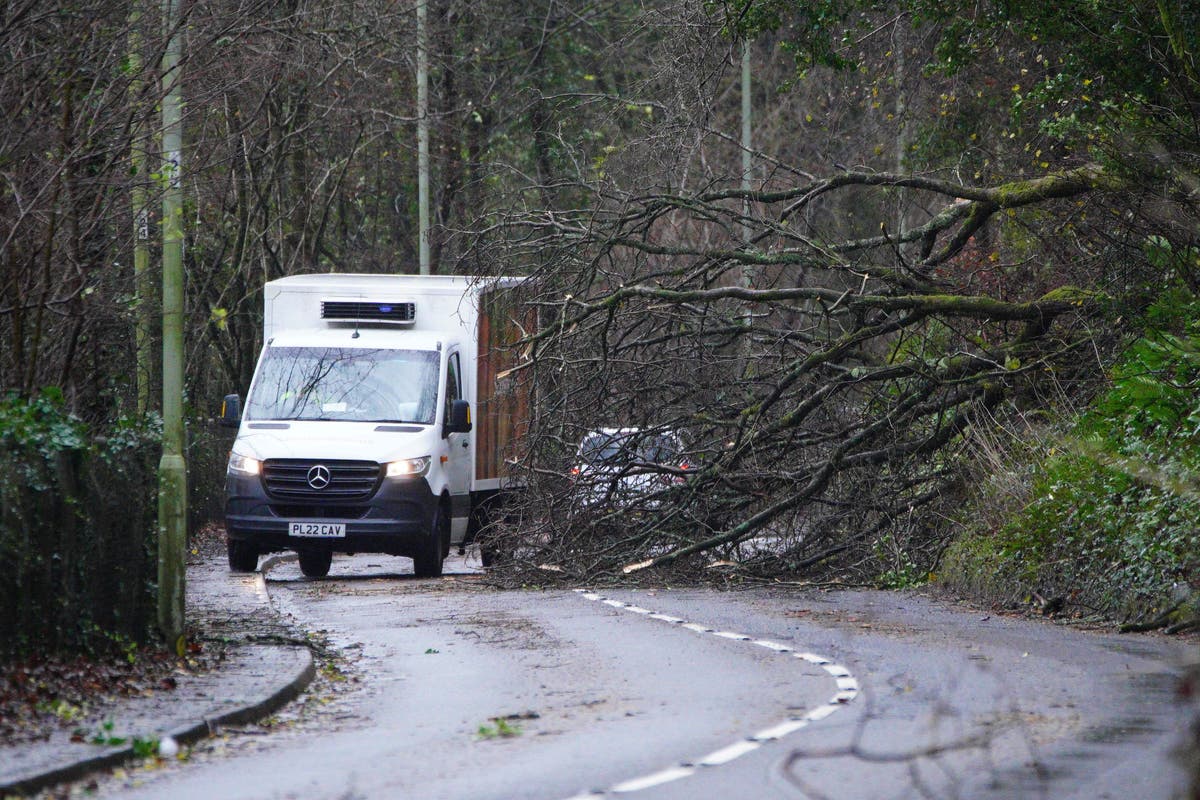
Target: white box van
[378, 420]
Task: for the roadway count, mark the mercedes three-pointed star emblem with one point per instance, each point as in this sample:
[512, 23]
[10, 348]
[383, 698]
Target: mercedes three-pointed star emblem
[319, 477]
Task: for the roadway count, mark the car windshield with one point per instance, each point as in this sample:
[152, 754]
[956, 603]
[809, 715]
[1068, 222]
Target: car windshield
[604, 448]
[357, 384]
[619, 449]
[658, 450]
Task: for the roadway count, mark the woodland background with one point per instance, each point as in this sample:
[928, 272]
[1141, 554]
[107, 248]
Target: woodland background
[943, 328]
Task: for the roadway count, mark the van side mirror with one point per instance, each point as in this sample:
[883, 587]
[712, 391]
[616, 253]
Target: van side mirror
[459, 420]
[231, 411]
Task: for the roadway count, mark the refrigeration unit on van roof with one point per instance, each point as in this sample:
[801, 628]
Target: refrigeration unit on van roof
[369, 311]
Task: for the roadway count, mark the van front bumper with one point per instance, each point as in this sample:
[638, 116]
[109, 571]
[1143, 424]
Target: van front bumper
[397, 519]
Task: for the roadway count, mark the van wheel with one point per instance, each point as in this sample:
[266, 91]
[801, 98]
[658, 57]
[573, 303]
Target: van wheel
[428, 562]
[243, 556]
[490, 552]
[484, 530]
[315, 563]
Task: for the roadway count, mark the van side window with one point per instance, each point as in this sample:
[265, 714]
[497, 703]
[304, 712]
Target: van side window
[453, 384]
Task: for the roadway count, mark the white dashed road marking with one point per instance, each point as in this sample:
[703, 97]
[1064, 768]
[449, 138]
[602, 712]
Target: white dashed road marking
[847, 690]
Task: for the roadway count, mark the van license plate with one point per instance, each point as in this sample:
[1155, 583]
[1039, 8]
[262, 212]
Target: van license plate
[317, 530]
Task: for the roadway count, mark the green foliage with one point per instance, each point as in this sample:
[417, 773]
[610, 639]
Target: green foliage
[1099, 530]
[906, 577]
[144, 747]
[1154, 403]
[77, 510]
[63, 709]
[1080, 73]
[1113, 519]
[500, 728]
[105, 735]
[40, 425]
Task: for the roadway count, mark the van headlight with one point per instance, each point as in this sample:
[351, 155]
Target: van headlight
[243, 465]
[408, 467]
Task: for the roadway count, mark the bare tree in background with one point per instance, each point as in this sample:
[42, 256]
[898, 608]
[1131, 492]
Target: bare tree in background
[66, 287]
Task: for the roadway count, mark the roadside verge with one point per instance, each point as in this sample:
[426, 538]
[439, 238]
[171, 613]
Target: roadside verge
[255, 680]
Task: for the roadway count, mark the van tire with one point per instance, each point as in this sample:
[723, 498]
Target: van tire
[485, 529]
[490, 551]
[427, 563]
[315, 563]
[243, 556]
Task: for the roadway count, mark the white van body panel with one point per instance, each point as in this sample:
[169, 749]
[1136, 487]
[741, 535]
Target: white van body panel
[446, 318]
[436, 315]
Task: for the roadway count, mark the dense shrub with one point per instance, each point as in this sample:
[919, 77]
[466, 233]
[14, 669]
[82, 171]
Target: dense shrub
[77, 529]
[207, 455]
[1111, 517]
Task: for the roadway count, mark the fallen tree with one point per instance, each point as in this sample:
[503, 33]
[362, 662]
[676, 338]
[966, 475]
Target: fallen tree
[823, 387]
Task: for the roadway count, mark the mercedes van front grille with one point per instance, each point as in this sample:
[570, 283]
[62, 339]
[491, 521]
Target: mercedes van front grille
[324, 481]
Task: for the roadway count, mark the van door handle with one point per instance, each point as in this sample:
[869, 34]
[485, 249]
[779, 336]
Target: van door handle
[466, 443]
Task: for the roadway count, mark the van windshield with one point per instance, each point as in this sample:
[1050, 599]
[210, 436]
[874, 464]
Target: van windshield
[356, 384]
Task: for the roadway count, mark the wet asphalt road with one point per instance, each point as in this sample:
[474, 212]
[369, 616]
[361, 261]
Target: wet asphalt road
[626, 698]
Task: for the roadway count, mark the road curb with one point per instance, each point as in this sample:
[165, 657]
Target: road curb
[253, 712]
[302, 674]
[187, 734]
[269, 563]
